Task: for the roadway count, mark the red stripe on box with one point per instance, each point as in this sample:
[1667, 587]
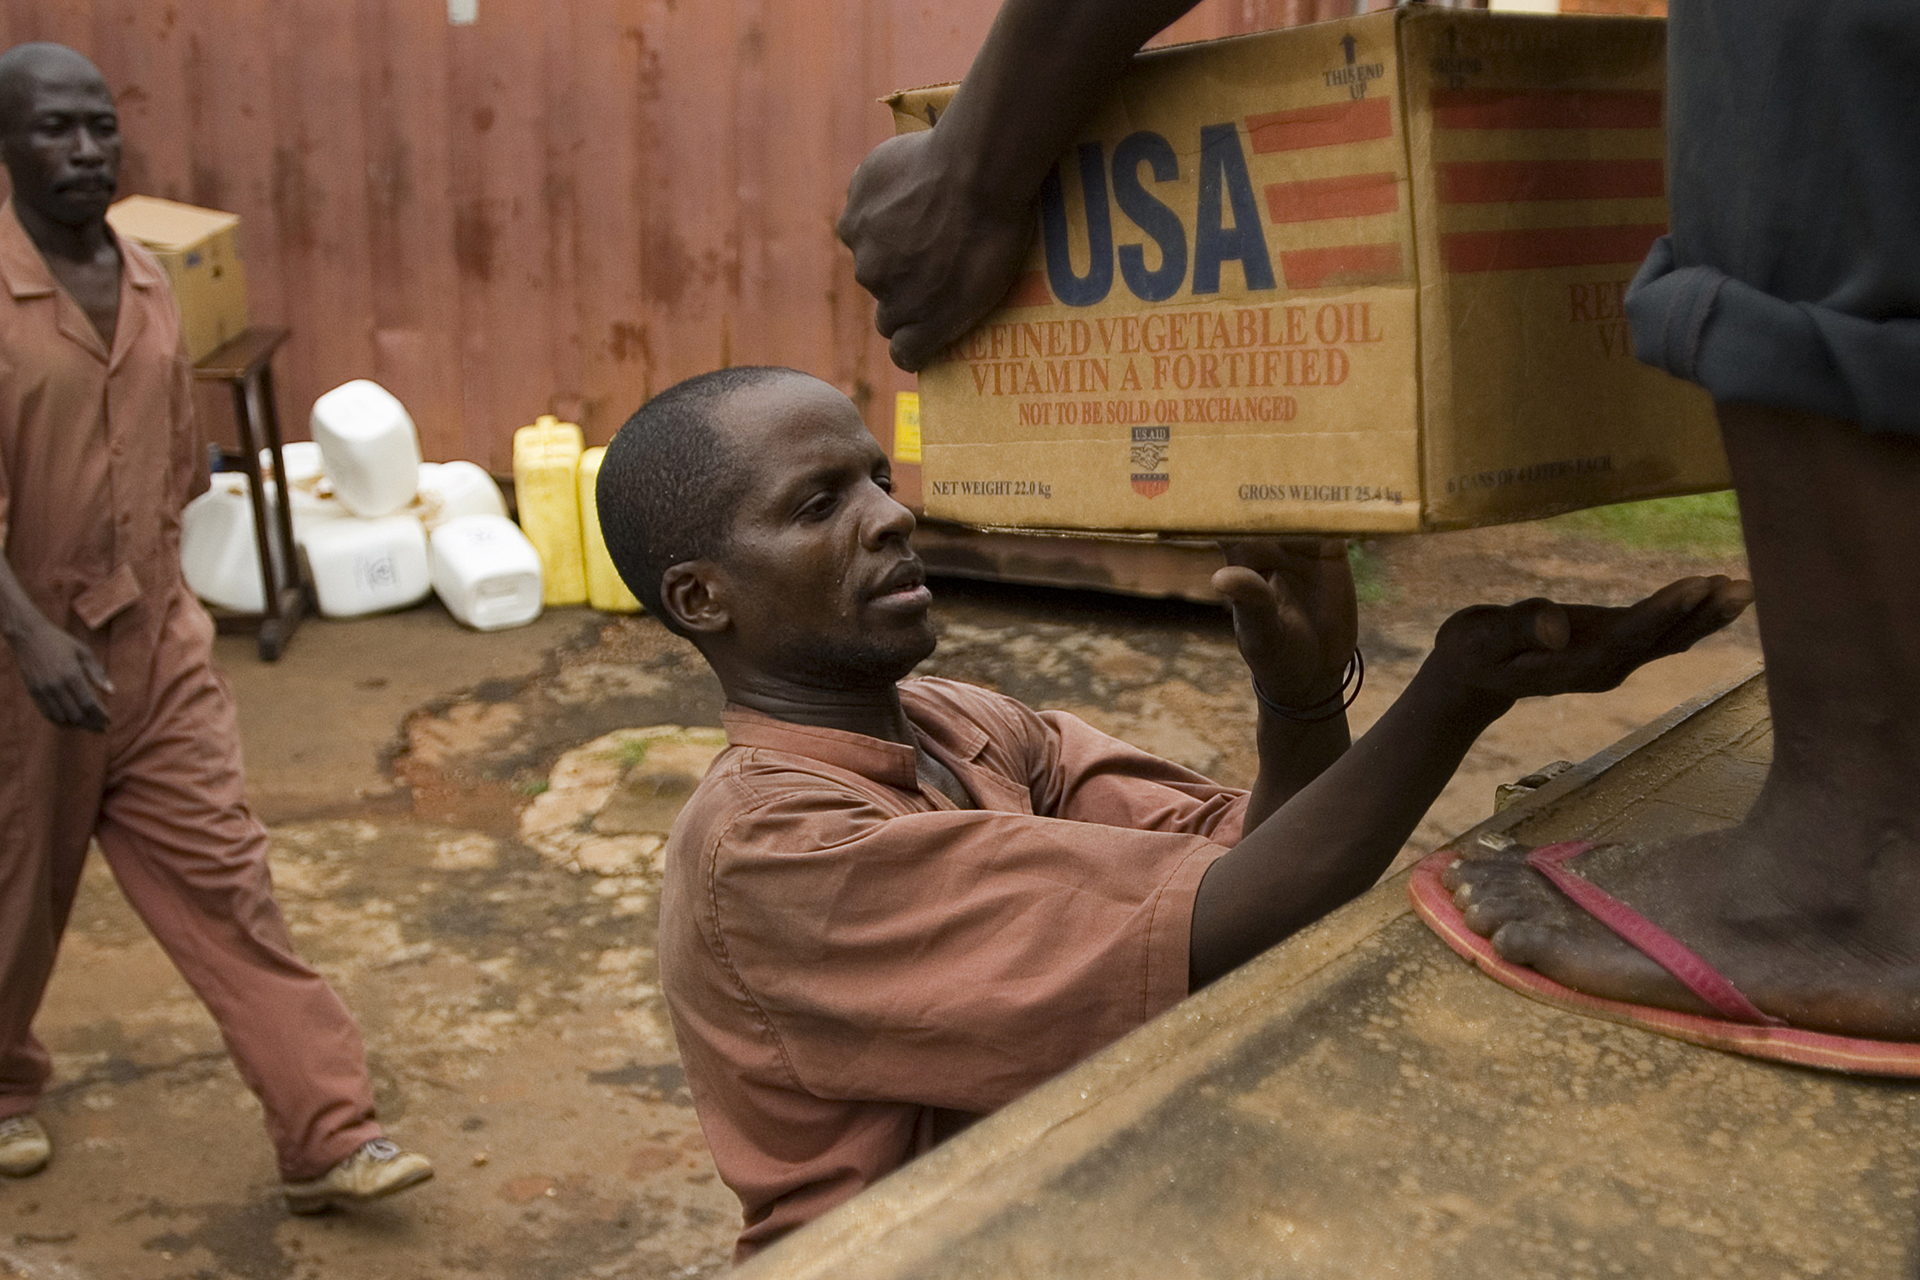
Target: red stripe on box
[1355, 195]
[1494, 181]
[1546, 108]
[1350, 264]
[1323, 126]
[1029, 290]
[1464, 251]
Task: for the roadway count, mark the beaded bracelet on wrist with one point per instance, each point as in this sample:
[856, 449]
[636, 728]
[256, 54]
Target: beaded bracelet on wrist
[1334, 704]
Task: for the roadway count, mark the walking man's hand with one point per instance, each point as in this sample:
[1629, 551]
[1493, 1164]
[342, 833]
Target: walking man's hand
[63, 677]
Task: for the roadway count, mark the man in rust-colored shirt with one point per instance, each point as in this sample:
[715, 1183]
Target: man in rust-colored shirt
[985, 948]
[893, 907]
[114, 723]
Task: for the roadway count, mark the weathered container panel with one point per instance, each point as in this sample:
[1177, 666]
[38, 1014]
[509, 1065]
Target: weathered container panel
[561, 206]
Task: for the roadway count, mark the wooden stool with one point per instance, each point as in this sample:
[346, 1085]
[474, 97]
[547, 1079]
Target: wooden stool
[245, 363]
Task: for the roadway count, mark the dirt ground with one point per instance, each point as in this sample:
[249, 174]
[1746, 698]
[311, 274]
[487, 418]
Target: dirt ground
[466, 830]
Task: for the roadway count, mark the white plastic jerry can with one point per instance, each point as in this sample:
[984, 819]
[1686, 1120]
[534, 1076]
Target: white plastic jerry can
[367, 566]
[371, 451]
[307, 485]
[305, 465]
[219, 553]
[311, 506]
[449, 490]
[486, 572]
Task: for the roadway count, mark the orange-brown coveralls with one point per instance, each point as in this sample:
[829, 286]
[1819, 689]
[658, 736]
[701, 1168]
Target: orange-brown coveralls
[98, 453]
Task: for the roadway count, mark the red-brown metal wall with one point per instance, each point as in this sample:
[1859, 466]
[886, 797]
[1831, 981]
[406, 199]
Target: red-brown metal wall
[563, 206]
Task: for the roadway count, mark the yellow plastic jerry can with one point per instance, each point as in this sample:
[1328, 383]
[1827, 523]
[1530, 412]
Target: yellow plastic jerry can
[546, 459]
[605, 590]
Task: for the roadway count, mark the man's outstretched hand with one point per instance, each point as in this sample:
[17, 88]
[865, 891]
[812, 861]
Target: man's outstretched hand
[935, 258]
[1293, 614]
[1538, 648]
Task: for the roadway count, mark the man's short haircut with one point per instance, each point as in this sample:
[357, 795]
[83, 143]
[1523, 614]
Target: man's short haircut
[23, 64]
[670, 481]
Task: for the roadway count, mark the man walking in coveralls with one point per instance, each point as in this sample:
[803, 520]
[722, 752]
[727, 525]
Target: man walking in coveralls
[113, 722]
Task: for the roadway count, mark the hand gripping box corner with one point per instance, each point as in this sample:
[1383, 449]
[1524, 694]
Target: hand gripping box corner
[199, 249]
[1362, 276]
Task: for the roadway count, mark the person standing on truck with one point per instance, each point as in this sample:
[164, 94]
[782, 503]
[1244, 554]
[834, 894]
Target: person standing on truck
[1789, 287]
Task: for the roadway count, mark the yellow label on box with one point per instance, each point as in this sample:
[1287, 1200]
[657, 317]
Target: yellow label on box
[906, 426]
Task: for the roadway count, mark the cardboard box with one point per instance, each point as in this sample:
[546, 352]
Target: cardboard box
[199, 249]
[1361, 276]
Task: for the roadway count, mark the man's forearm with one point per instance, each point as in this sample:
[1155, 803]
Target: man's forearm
[1045, 67]
[1291, 756]
[1331, 840]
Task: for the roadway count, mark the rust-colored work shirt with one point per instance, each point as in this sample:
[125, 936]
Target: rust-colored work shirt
[98, 449]
[855, 967]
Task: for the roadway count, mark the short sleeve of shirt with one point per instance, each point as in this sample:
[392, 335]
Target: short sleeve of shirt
[958, 958]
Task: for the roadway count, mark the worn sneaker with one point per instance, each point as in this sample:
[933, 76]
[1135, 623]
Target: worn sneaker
[24, 1146]
[375, 1169]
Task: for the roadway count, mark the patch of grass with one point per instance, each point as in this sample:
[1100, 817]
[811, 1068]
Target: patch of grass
[1706, 524]
[632, 752]
[534, 787]
[1370, 584]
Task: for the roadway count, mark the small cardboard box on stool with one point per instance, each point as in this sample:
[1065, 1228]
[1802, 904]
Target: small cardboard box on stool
[199, 249]
[1362, 276]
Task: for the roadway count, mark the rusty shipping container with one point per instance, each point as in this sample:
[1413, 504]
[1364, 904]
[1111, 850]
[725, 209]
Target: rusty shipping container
[501, 208]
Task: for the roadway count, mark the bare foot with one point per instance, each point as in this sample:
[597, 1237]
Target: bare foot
[1754, 906]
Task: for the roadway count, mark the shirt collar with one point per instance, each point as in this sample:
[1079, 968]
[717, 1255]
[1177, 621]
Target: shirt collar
[141, 270]
[891, 763]
[25, 270]
[27, 274]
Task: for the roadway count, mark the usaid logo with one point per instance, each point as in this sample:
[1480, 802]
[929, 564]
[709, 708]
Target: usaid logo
[1149, 457]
